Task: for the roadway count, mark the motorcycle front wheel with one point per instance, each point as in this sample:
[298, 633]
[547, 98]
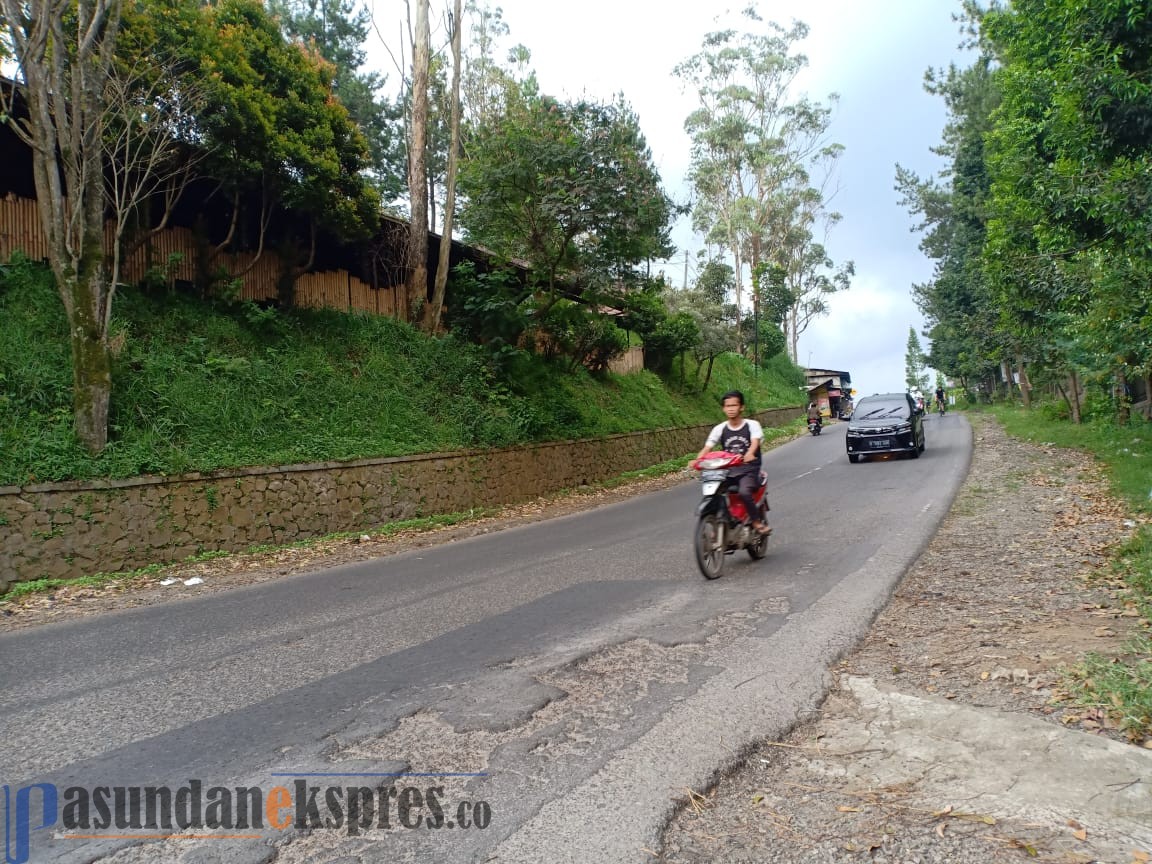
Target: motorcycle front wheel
[709, 546]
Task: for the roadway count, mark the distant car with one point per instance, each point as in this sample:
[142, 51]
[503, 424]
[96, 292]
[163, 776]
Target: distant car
[885, 423]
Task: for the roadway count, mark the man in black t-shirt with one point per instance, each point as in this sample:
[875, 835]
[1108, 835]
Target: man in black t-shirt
[738, 435]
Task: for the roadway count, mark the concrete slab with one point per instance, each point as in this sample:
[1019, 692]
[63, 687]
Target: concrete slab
[984, 761]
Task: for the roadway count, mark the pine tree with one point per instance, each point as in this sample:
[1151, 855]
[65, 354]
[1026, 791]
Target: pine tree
[915, 364]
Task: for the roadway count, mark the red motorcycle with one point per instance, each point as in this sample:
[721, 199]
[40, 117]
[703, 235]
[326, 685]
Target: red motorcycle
[721, 528]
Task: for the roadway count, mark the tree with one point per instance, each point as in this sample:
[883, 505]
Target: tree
[716, 280]
[761, 159]
[964, 318]
[775, 298]
[337, 30]
[272, 137]
[915, 365]
[432, 318]
[150, 150]
[674, 337]
[62, 80]
[810, 279]
[714, 331]
[570, 189]
[489, 88]
[417, 287]
[1072, 177]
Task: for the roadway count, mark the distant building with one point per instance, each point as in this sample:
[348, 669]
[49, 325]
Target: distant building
[831, 389]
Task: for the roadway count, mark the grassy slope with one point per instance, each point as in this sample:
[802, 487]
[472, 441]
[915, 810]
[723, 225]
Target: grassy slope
[198, 387]
[1123, 686]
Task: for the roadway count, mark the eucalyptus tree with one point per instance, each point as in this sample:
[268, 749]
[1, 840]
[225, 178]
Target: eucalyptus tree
[808, 273]
[431, 320]
[761, 158]
[417, 257]
[64, 52]
[488, 86]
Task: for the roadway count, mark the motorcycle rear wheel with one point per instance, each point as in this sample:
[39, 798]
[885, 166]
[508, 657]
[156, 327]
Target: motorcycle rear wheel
[709, 552]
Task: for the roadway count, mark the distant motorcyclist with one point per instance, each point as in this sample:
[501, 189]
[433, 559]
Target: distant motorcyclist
[814, 415]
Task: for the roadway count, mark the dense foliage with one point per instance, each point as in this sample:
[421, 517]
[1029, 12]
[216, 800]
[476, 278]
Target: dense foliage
[569, 188]
[1040, 230]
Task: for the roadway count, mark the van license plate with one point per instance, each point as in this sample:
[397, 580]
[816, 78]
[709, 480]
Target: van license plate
[880, 444]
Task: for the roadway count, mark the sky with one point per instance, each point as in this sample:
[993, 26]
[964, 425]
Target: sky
[873, 55]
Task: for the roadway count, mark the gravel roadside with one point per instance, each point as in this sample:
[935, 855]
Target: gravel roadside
[999, 602]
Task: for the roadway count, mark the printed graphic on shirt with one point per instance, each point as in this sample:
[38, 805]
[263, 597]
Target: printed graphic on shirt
[736, 440]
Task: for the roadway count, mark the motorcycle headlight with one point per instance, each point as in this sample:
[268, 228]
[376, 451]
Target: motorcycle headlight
[711, 464]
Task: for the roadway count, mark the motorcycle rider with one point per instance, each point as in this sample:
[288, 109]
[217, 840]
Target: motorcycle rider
[814, 414]
[744, 437]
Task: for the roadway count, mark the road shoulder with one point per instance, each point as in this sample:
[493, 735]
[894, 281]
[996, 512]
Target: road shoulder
[1000, 601]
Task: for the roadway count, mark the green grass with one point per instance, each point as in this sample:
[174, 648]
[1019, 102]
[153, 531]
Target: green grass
[1122, 686]
[1125, 451]
[202, 386]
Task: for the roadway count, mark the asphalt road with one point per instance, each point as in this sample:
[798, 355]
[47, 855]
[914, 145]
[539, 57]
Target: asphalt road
[573, 675]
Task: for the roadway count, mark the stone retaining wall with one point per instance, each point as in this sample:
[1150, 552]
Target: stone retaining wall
[66, 530]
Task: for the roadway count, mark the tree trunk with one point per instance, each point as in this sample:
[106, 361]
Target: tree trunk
[91, 385]
[793, 336]
[1074, 401]
[1025, 384]
[1123, 403]
[91, 363]
[432, 319]
[292, 268]
[708, 374]
[64, 91]
[418, 170]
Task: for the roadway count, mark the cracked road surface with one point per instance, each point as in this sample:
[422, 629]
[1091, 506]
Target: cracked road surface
[568, 678]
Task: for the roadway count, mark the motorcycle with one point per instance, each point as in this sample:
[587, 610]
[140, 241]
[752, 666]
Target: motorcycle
[814, 426]
[720, 526]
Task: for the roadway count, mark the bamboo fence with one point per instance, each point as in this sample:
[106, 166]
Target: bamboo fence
[172, 254]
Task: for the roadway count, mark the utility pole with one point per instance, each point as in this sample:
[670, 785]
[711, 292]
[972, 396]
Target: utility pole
[685, 269]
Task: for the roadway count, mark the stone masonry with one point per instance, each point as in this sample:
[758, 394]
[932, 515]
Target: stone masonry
[67, 530]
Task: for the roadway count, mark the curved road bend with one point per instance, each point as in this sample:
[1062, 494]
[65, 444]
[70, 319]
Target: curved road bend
[579, 671]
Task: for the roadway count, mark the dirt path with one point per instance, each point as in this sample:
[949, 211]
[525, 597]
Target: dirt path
[997, 604]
